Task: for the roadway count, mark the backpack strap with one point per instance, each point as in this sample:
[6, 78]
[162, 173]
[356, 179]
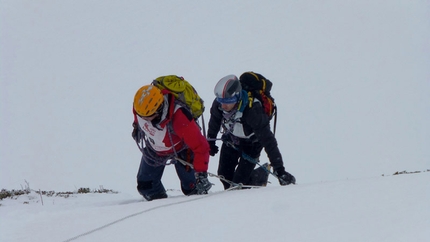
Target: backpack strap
[262, 79]
[244, 100]
[250, 99]
[170, 131]
[273, 107]
[275, 113]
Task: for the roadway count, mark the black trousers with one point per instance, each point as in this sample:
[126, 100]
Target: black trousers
[149, 176]
[232, 164]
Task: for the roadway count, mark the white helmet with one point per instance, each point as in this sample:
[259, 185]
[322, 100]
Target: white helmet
[228, 90]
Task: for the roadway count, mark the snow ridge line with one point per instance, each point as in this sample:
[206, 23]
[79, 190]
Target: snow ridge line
[139, 213]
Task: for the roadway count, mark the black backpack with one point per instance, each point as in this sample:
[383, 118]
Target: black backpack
[259, 87]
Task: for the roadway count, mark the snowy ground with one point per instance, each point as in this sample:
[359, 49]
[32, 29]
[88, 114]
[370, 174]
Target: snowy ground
[385, 208]
[351, 81]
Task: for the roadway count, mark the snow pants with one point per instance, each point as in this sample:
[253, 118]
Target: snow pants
[149, 183]
[233, 166]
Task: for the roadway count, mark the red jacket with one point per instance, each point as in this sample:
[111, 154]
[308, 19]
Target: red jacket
[185, 132]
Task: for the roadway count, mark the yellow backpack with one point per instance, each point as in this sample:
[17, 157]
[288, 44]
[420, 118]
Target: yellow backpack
[183, 91]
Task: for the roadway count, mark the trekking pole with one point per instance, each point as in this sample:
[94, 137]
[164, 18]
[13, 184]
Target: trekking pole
[246, 156]
[274, 123]
[213, 139]
[204, 128]
[252, 160]
[186, 163]
[235, 185]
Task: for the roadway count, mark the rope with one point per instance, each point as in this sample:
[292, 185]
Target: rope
[233, 184]
[130, 216]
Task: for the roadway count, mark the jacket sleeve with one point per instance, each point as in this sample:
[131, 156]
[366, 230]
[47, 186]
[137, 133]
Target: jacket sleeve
[215, 120]
[187, 129]
[260, 124]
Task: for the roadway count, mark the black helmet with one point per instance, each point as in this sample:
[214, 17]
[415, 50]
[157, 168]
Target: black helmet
[228, 89]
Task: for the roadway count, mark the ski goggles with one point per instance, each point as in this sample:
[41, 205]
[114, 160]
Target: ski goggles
[228, 100]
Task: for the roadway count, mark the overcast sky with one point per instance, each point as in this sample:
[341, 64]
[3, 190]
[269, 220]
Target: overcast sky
[351, 81]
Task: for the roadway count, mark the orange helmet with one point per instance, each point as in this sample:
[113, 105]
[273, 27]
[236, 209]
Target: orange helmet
[147, 100]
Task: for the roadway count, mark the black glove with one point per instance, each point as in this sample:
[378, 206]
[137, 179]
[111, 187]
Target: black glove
[213, 148]
[202, 183]
[137, 133]
[284, 177]
[225, 138]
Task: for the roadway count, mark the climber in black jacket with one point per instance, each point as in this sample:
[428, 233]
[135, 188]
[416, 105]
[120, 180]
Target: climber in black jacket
[246, 131]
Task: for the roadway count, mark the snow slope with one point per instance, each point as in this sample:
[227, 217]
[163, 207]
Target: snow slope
[351, 80]
[386, 208]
